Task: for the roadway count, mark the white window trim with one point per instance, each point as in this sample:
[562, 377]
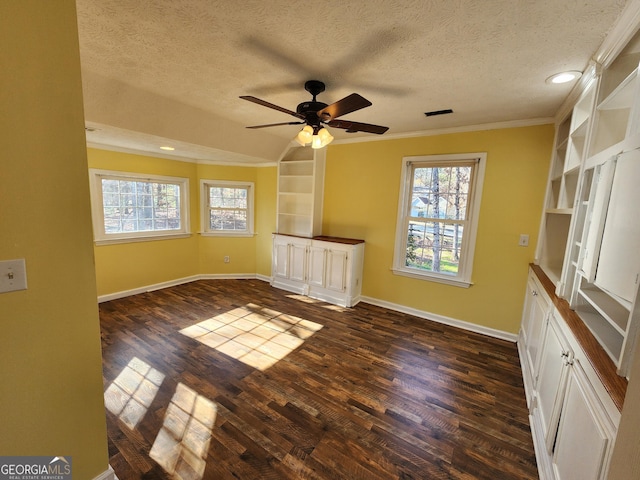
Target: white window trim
[204, 208]
[103, 238]
[463, 278]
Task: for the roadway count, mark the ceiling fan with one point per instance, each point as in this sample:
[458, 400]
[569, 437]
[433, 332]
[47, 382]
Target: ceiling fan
[314, 115]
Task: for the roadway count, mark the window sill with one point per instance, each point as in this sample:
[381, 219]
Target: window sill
[227, 234]
[141, 238]
[433, 278]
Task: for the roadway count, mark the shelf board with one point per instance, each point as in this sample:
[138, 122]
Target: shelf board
[560, 211]
[282, 193]
[606, 335]
[612, 311]
[581, 130]
[622, 96]
[285, 214]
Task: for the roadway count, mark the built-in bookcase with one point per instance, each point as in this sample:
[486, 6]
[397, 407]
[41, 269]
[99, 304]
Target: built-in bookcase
[590, 233]
[300, 185]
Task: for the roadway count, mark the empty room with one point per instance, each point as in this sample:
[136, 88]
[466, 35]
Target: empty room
[331, 240]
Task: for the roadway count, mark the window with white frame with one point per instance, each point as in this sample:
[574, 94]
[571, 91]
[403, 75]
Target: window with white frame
[227, 207]
[438, 217]
[134, 207]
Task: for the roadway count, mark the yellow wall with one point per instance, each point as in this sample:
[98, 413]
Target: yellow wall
[362, 185]
[129, 266]
[51, 398]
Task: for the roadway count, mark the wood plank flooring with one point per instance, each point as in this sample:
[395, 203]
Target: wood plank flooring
[233, 379]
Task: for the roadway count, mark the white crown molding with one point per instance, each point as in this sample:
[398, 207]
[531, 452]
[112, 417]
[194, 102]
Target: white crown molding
[449, 130]
[249, 162]
[625, 27]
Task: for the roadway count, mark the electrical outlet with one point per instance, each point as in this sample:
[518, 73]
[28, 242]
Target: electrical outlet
[13, 275]
[226, 259]
[524, 240]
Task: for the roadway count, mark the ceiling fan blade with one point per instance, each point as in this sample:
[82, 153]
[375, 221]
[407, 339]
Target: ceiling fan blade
[348, 104]
[357, 126]
[276, 124]
[270, 105]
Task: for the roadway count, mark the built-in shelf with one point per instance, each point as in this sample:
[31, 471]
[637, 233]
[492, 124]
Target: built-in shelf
[300, 185]
[610, 340]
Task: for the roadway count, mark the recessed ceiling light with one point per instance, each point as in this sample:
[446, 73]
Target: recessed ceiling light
[564, 77]
[170, 149]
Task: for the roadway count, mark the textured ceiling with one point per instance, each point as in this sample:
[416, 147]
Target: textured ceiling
[172, 70]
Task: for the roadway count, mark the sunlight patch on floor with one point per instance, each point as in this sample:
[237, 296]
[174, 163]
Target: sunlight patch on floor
[257, 336]
[130, 395]
[183, 441]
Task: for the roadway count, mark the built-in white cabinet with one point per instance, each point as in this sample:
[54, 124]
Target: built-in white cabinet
[325, 268]
[551, 380]
[573, 419]
[534, 317]
[300, 187]
[583, 445]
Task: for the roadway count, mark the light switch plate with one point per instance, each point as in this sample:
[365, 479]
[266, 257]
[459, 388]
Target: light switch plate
[13, 275]
[524, 240]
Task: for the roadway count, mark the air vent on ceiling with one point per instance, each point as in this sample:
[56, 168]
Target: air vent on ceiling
[438, 112]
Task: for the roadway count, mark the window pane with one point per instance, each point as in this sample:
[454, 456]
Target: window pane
[440, 192]
[228, 208]
[138, 206]
[434, 246]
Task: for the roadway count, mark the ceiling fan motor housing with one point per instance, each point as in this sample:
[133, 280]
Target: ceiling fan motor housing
[309, 110]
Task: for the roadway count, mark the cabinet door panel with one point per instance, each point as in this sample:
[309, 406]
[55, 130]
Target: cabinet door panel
[317, 257]
[596, 214]
[619, 262]
[582, 440]
[534, 326]
[552, 377]
[337, 270]
[297, 262]
[281, 259]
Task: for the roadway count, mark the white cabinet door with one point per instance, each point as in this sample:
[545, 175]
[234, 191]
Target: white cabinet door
[298, 262]
[317, 262]
[337, 261]
[536, 309]
[596, 214]
[582, 446]
[280, 259]
[552, 379]
[619, 262]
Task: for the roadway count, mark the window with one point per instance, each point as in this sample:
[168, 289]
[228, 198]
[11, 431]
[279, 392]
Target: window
[437, 217]
[227, 208]
[133, 207]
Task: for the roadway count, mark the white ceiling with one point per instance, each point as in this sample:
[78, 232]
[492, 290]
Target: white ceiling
[171, 71]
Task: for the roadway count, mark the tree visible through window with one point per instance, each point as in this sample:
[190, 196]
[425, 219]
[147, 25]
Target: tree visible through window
[126, 206]
[227, 207]
[135, 206]
[434, 227]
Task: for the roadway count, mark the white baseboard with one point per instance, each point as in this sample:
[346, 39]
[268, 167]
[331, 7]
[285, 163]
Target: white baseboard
[180, 281]
[472, 327]
[108, 474]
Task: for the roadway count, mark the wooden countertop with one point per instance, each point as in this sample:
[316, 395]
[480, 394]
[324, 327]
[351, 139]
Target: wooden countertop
[615, 385]
[326, 238]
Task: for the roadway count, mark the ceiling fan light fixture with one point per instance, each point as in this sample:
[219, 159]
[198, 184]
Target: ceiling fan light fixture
[321, 139]
[305, 135]
[325, 137]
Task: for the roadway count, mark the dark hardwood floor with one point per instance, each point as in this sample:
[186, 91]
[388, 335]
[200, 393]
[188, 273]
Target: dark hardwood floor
[233, 379]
